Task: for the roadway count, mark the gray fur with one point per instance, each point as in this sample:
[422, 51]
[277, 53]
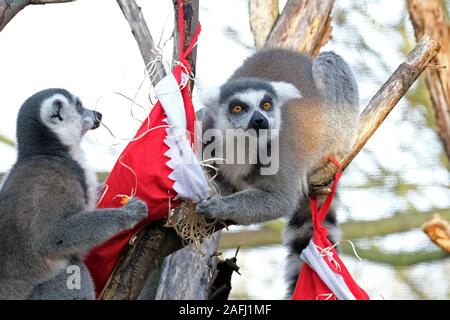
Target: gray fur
[320, 123]
[48, 218]
[56, 288]
[230, 88]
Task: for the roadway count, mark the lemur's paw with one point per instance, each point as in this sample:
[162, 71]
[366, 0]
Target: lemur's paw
[212, 208]
[136, 211]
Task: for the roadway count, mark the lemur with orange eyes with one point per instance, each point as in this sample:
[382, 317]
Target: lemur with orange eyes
[309, 109]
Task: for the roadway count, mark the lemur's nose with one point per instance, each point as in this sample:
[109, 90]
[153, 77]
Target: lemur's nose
[258, 121]
[98, 118]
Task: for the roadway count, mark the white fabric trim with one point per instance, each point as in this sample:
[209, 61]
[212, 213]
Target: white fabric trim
[333, 280]
[190, 182]
[169, 94]
[187, 174]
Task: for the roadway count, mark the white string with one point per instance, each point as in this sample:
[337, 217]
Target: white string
[327, 296]
[329, 254]
[159, 46]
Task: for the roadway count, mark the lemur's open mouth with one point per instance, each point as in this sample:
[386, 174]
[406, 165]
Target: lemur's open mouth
[97, 121]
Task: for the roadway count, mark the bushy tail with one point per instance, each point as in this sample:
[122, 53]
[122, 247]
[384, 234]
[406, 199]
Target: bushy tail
[335, 80]
[296, 238]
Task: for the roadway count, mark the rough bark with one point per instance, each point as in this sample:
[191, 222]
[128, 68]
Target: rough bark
[304, 25]
[191, 10]
[186, 273]
[428, 16]
[263, 14]
[9, 8]
[144, 254]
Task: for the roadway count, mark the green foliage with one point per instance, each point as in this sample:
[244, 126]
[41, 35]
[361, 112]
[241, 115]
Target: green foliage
[7, 141]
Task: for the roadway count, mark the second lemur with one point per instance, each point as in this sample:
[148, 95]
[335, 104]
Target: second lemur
[48, 219]
[310, 109]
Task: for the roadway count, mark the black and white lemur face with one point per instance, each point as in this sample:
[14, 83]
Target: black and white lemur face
[65, 115]
[249, 104]
[53, 122]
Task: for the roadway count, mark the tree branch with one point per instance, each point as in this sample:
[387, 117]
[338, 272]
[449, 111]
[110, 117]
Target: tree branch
[263, 15]
[191, 10]
[304, 25]
[9, 8]
[429, 17]
[144, 39]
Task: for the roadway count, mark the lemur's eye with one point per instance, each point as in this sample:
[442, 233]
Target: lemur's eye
[237, 108]
[267, 106]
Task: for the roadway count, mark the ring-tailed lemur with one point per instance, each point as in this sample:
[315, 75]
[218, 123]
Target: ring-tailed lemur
[48, 219]
[313, 103]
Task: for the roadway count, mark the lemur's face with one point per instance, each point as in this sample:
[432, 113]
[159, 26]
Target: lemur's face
[250, 104]
[66, 116]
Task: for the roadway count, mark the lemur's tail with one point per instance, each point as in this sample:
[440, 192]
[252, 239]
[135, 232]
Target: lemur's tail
[296, 237]
[335, 80]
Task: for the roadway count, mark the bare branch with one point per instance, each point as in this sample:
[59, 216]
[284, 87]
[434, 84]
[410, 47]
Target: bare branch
[141, 33]
[263, 14]
[9, 8]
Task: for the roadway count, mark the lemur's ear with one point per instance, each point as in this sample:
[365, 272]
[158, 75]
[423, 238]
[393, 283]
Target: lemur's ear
[57, 106]
[286, 91]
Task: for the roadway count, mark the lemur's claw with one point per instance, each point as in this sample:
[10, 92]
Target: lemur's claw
[211, 207]
[321, 191]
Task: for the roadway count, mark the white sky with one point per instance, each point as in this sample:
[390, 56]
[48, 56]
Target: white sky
[87, 47]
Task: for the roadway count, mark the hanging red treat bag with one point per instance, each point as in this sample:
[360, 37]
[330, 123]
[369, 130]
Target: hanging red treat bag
[323, 275]
[158, 166]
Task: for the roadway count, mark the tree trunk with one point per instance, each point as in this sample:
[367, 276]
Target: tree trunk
[187, 273]
[304, 25]
[263, 14]
[428, 16]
